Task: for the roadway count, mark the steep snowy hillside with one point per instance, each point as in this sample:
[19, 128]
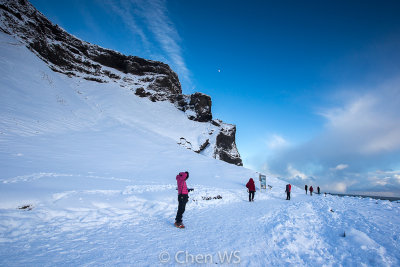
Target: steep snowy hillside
[49, 119]
[73, 57]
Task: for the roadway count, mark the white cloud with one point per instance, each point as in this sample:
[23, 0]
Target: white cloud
[295, 174]
[339, 187]
[340, 167]
[369, 122]
[276, 141]
[382, 178]
[382, 182]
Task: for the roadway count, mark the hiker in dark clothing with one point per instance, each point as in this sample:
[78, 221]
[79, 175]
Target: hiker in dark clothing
[251, 188]
[306, 187]
[318, 190]
[288, 189]
[311, 190]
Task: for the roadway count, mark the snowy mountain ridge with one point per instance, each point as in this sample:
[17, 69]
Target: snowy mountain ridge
[73, 57]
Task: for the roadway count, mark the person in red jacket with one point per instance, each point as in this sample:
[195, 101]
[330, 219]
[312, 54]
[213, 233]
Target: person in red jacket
[288, 189]
[311, 190]
[251, 188]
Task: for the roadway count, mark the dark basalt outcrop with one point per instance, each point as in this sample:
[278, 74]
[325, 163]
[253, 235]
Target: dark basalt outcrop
[69, 55]
[226, 146]
[198, 103]
[201, 104]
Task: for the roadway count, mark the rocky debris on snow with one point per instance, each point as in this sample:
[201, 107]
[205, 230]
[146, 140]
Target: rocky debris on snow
[183, 142]
[203, 146]
[209, 198]
[65, 53]
[187, 144]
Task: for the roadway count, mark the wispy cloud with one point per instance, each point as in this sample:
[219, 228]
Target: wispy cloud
[340, 167]
[124, 10]
[156, 15]
[151, 22]
[276, 141]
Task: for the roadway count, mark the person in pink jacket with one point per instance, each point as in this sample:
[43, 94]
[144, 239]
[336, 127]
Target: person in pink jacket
[183, 197]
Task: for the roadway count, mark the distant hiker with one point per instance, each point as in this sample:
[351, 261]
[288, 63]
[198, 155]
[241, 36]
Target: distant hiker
[311, 190]
[306, 187]
[288, 189]
[183, 197]
[251, 188]
[318, 190]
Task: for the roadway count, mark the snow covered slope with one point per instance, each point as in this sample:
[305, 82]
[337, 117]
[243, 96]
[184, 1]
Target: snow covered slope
[49, 119]
[64, 53]
[87, 177]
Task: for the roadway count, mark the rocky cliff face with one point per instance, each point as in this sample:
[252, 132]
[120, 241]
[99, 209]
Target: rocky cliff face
[155, 80]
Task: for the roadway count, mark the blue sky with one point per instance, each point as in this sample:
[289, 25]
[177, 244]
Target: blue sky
[313, 86]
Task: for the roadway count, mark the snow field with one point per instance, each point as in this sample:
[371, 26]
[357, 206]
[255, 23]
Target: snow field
[133, 224]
